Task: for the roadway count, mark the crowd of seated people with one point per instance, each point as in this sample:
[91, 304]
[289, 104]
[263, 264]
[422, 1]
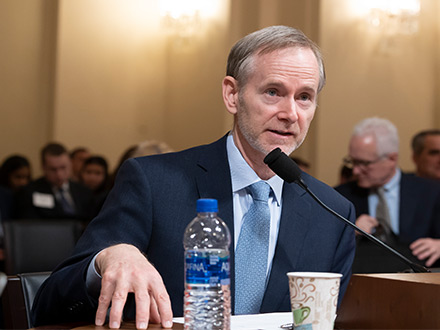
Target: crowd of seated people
[75, 184]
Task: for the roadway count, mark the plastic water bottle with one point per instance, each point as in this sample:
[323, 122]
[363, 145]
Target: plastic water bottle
[207, 300]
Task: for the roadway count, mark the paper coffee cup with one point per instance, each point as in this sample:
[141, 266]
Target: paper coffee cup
[314, 297]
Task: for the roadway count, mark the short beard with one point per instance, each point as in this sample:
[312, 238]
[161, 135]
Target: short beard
[246, 129]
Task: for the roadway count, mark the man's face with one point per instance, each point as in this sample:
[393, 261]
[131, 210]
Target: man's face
[57, 169]
[369, 169]
[428, 161]
[78, 160]
[278, 102]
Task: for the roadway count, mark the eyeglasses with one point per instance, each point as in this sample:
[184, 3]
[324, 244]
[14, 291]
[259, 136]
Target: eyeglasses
[351, 162]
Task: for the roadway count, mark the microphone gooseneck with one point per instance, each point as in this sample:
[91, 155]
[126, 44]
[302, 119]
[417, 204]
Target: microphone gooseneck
[286, 168]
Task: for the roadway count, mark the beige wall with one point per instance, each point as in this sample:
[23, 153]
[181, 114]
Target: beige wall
[27, 37]
[106, 74]
[109, 81]
[122, 77]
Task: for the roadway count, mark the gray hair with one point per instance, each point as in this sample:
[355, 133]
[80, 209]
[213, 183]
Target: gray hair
[418, 141]
[264, 41]
[384, 132]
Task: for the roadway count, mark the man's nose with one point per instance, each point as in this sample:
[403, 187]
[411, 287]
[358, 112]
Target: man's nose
[289, 110]
[356, 169]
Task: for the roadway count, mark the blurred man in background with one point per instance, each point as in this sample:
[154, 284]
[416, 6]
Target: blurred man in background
[400, 209]
[54, 195]
[426, 153]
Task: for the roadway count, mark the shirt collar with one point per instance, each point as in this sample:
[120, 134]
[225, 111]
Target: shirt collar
[64, 187]
[242, 175]
[394, 182]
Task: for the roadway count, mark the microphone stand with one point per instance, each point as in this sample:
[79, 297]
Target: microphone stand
[288, 170]
[415, 267]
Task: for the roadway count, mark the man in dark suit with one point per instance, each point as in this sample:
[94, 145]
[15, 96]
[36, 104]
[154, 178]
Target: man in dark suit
[273, 79]
[426, 153]
[412, 223]
[54, 196]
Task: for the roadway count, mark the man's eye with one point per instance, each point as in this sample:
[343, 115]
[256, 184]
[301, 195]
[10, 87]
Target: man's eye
[271, 92]
[304, 97]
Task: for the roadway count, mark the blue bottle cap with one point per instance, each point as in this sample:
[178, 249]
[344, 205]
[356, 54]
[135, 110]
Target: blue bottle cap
[207, 205]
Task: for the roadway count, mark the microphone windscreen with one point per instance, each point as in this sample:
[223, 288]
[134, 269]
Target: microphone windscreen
[283, 166]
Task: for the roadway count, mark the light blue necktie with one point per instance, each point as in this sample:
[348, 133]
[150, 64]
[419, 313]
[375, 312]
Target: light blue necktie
[251, 252]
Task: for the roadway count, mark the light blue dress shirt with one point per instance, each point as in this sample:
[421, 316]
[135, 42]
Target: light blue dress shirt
[392, 196]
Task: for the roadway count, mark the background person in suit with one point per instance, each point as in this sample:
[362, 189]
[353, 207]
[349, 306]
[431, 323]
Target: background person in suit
[426, 153]
[412, 203]
[273, 79]
[54, 196]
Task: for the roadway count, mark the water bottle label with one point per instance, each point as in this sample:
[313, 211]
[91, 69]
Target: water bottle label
[207, 269]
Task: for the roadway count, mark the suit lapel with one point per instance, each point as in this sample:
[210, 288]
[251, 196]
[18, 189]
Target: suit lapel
[294, 225]
[407, 207]
[213, 179]
[359, 198]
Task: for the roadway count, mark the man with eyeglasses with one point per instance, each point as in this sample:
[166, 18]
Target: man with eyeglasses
[401, 209]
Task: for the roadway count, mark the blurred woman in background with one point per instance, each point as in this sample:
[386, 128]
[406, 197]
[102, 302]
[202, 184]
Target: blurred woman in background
[15, 172]
[94, 175]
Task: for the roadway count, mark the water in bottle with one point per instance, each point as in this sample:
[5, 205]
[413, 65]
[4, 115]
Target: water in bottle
[207, 300]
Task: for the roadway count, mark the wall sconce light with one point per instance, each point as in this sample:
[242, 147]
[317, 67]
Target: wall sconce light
[181, 17]
[395, 17]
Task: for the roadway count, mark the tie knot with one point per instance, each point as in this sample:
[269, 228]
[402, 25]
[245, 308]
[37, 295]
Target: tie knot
[381, 191]
[260, 191]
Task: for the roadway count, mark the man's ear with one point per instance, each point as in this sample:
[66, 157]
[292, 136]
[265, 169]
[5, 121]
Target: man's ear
[230, 94]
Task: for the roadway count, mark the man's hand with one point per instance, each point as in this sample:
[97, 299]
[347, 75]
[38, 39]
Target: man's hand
[125, 269]
[367, 223]
[426, 248]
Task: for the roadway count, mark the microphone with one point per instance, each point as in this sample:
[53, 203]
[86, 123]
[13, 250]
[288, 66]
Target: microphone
[288, 170]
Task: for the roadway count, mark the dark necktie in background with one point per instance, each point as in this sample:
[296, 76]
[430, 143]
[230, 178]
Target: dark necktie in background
[251, 252]
[65, 204]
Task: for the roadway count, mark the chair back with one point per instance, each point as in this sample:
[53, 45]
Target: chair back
[18, 297]
[38, 245]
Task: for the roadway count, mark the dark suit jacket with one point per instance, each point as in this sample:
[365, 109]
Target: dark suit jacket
[153, 201]
[25, 208]
[419, 217]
